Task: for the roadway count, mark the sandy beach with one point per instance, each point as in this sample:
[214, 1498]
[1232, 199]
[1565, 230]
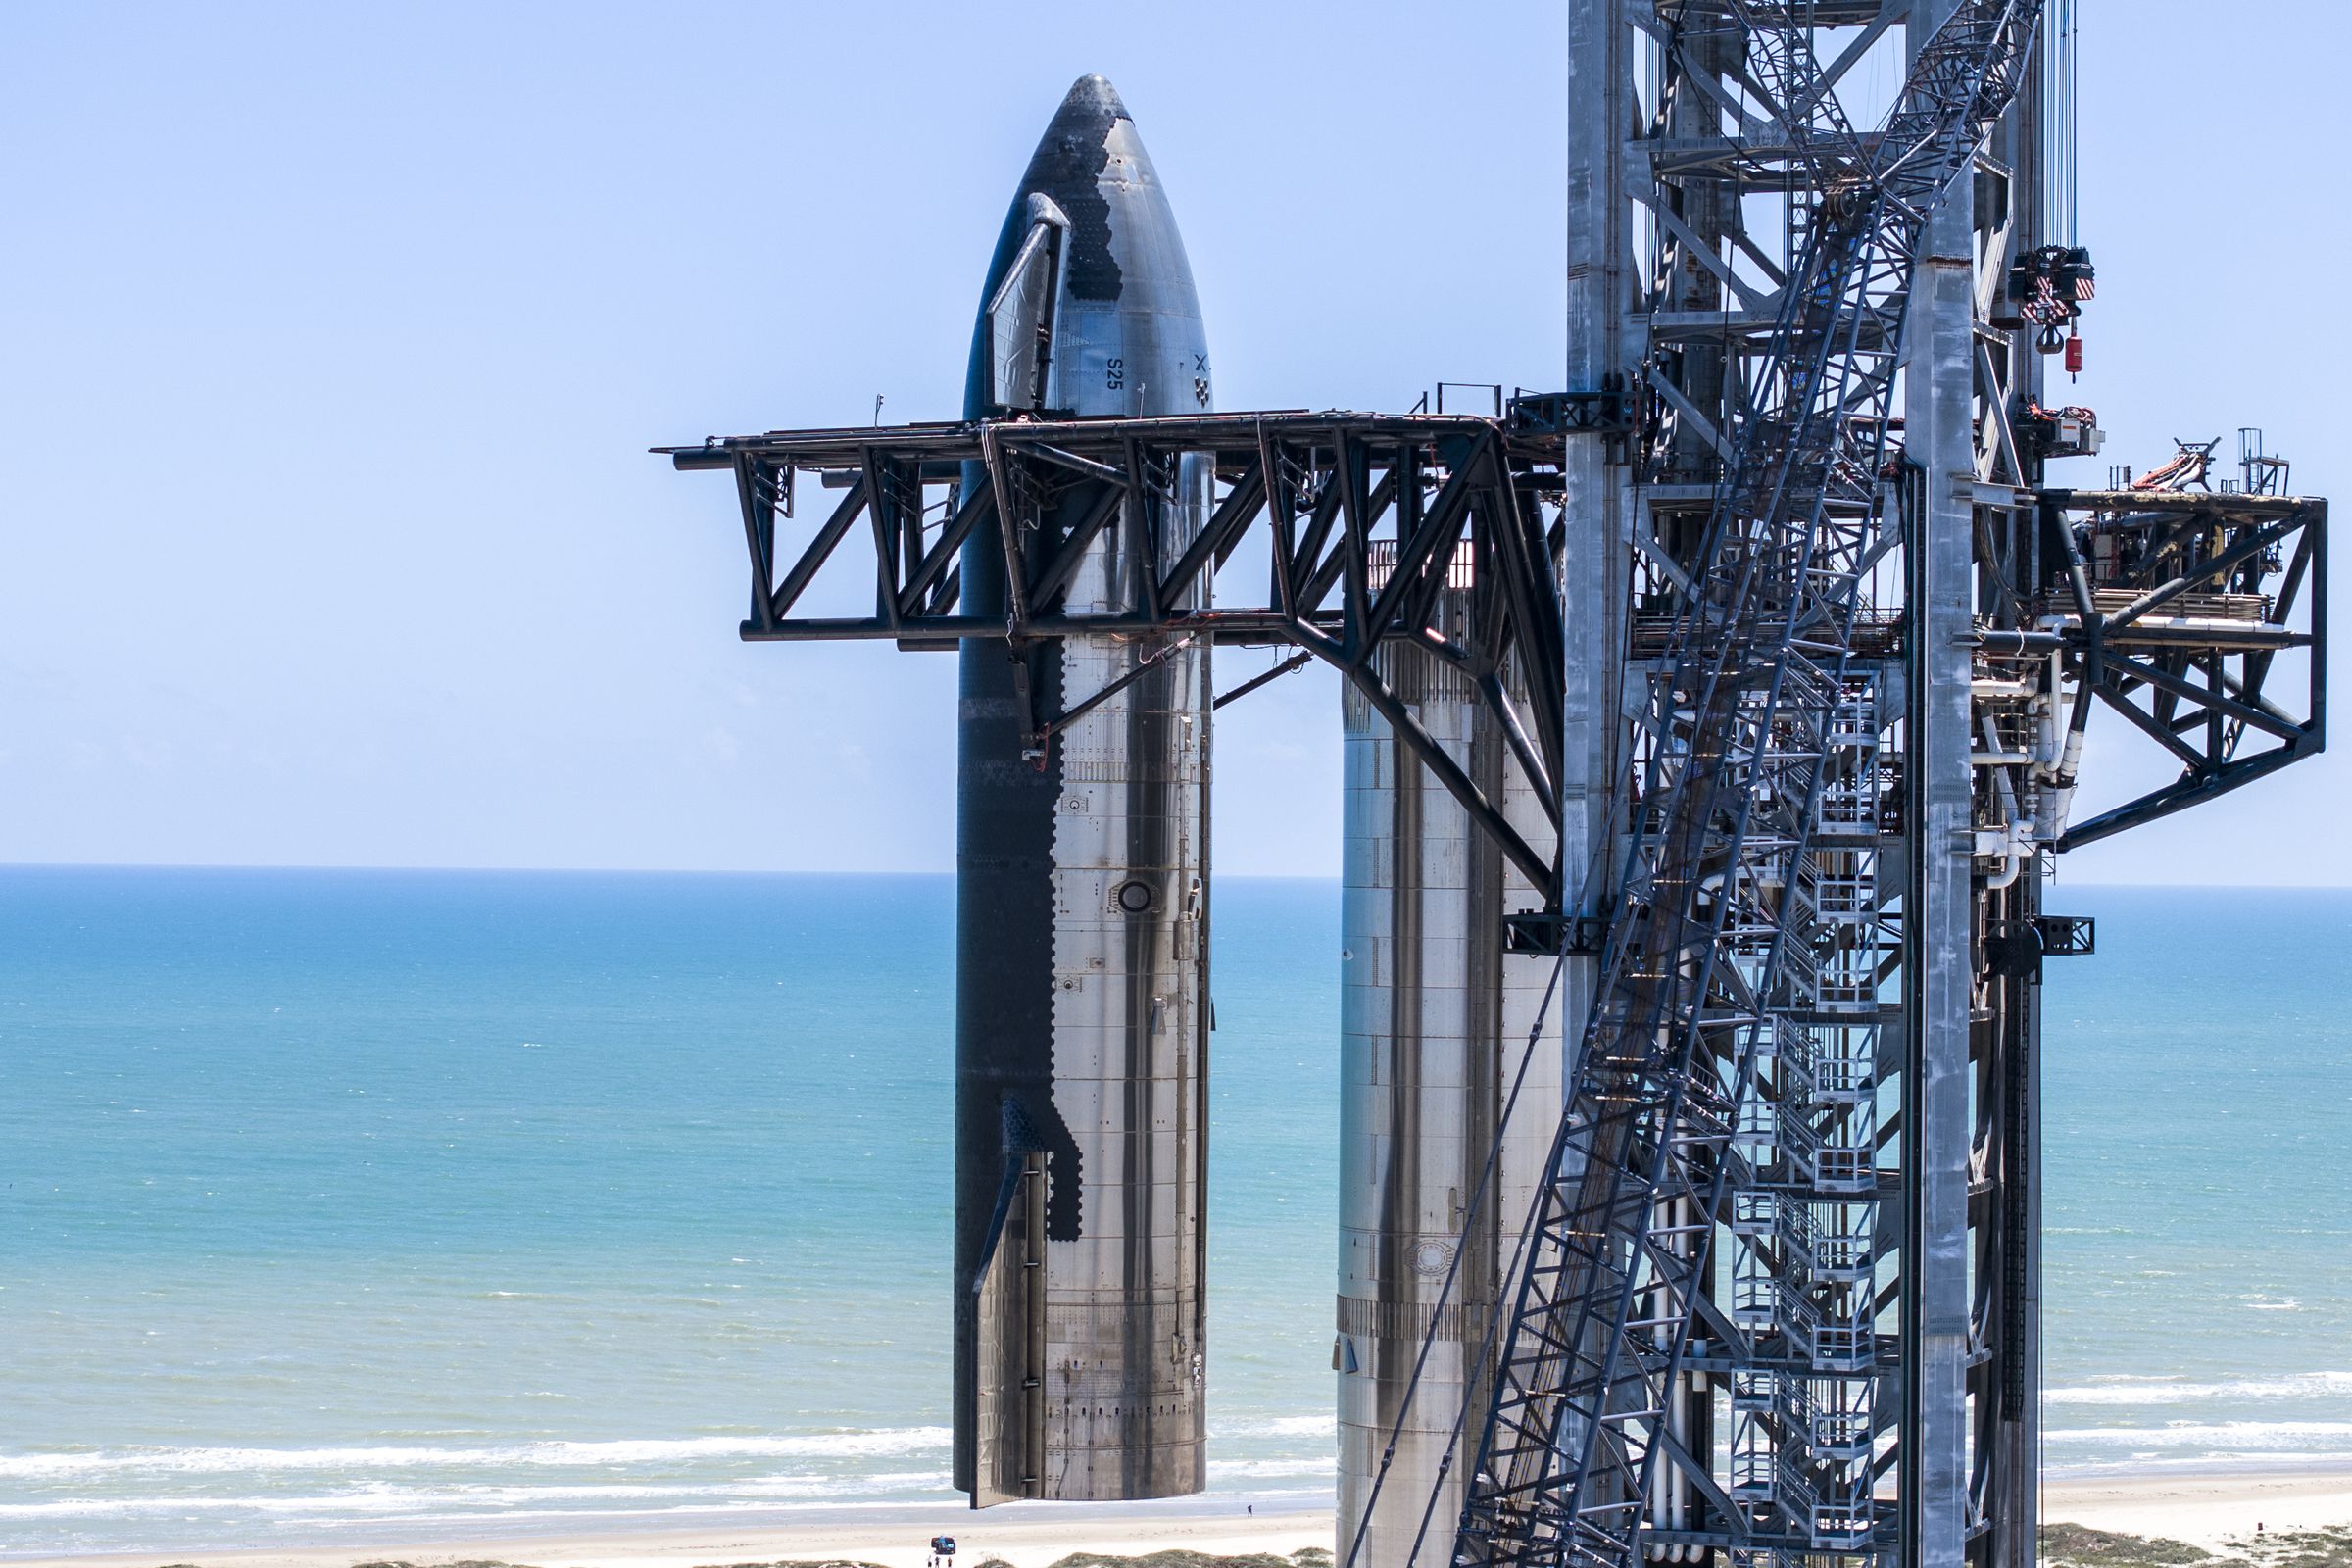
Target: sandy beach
[2213, 1511]
[2218, 1512]
[892, 1535]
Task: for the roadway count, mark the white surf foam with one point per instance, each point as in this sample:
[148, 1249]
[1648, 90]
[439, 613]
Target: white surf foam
[1243, 1469]
[1280, 1425]
[550, 1453]
[381, 1501]
[2153, 1390]
[2250, 1437]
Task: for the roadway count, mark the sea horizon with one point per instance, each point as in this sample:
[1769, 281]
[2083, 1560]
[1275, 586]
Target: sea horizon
[360, 1204]
[1333, 877]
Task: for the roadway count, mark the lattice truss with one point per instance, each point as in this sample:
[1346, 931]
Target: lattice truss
[2191, 613]
[1328, 533]
[1699, 1352]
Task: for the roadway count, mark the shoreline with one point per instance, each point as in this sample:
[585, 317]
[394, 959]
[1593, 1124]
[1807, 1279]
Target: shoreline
[890, 1535]
[2208, 1508]
[2213, 1509]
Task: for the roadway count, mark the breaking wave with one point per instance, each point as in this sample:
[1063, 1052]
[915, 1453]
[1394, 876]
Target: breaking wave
[2223, 1437]
[553, 1454]
[1280, 1425]
[513, 1502]
[2156, 1390]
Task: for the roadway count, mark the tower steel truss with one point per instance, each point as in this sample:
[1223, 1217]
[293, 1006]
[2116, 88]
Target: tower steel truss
[1323, 493]
[1779, 1305]
[1733, 1038]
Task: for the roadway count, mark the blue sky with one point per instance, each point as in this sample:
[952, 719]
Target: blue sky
[334, 337]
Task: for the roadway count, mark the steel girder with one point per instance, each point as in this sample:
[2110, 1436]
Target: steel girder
[1363, 516]
[2177, 624]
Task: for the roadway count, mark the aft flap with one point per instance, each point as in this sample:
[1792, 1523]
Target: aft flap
[1008, 1323]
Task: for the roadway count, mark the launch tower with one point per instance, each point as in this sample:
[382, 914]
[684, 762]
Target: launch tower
[1751, 674]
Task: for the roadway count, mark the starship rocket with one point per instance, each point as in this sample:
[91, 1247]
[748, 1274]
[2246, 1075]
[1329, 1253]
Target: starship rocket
[1082, 865]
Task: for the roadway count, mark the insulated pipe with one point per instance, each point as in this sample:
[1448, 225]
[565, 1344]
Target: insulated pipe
[2069, 765]
[2009, 830]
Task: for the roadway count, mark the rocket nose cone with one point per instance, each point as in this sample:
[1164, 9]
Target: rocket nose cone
[1121, 257]
[1092, 98]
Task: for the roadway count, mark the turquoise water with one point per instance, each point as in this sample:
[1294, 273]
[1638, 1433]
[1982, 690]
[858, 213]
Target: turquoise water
[363, 1206]
[2199, 1180]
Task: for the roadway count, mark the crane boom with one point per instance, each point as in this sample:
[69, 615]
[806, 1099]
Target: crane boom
[1715, 926]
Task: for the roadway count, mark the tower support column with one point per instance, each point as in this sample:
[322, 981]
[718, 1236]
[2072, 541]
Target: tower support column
[1596, 500]
[1940, 1126]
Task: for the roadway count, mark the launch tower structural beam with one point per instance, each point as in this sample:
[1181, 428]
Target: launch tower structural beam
[2197, 606]
[1325, 493]
[1783, 1304]
[1728, 1058]
[2192, 615]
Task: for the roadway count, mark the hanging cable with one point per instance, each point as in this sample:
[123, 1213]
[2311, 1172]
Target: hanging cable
[2060, 147]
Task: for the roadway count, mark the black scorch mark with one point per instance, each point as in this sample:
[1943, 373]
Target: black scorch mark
[1067, 166]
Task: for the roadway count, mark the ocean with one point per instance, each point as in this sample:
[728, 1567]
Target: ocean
[352, 1206]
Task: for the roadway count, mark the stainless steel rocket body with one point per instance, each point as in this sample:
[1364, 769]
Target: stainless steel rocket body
[1436, 1023]
[1082, 906]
